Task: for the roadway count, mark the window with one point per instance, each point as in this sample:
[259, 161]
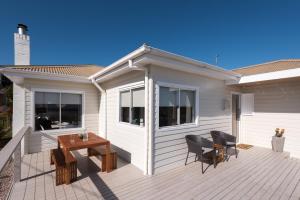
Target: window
[138, 106]
[176, 106]
[125, 106]
[132, 106]
[168, 106]
[247, 104]
[57, 110]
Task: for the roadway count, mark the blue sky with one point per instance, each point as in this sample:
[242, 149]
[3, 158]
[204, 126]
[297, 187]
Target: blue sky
[99, 32]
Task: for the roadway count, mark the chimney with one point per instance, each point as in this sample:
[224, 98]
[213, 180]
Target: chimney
[22, 46]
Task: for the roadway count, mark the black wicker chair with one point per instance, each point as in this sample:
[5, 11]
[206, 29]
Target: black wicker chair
[225, 140]
[203, 149]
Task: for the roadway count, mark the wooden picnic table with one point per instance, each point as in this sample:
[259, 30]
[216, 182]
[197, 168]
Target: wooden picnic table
[74, 142]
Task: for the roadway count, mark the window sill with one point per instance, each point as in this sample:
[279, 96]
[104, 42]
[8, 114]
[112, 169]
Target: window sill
[177, 127]
[128, 125]
[67, 130]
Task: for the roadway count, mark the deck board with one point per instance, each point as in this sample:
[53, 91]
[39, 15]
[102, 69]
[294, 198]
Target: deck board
[257, 173]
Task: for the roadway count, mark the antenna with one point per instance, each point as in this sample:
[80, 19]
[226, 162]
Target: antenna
[217, 58]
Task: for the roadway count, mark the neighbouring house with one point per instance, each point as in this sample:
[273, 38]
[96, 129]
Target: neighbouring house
[147, 101]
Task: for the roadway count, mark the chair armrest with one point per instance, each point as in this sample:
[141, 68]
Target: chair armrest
[229, 138]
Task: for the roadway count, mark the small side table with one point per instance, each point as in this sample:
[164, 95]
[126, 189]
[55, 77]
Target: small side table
[220, 155]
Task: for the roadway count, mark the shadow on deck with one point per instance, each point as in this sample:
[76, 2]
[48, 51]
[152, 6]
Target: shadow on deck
[258, 173]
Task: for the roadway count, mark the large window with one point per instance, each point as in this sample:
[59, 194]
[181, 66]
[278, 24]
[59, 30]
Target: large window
[176, 106]
[132, 106]
[57, 110]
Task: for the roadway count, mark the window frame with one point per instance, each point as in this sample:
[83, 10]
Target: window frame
[82, 93]
[130, 87]
[180, 87]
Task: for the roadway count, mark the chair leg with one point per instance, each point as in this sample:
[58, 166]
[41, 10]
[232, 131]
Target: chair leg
[196, 157]
[226, 154]
[187, 156]
[235, 151]
[215, 160]
[202, 167]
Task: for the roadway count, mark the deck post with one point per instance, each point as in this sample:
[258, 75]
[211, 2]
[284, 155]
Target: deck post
[17, 163]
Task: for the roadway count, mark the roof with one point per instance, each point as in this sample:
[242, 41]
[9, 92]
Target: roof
[68, 70]
[273, 66]
[146, 55]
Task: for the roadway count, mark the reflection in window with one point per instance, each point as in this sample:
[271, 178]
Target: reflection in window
[57, 110]
[176, 106]
[71, 110]
[132, 106]
[187, 106]
[46, 111]
[168, 104]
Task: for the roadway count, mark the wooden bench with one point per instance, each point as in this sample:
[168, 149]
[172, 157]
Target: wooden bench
[65, 166]
[101, 151]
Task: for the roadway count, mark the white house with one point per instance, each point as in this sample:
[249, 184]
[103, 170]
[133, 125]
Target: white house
[147, 101]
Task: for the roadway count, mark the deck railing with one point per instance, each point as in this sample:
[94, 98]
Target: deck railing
[10, 161]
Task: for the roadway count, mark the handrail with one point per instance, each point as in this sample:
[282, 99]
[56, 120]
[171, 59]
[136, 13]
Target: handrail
[10, 147]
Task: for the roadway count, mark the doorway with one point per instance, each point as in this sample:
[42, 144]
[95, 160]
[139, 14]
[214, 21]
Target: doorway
[236, 113]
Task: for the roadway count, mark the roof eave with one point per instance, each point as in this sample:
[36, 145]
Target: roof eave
[43, 75]
[277, 75]
[148, 51]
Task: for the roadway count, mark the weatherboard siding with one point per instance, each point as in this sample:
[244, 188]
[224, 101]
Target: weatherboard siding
[276, 105]
[127, 139]
[38, 141]
[170, 147]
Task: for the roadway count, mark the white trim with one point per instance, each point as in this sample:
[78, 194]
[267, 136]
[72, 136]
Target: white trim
[141, 50]
[175, 127]
[290, 73]
[67, 130]
[33, 90]
[151, 125]
[240, 121]
[131, 86]
[148, 55]
[181, 87]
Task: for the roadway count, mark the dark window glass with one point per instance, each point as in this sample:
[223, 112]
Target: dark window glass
[46, 111]
[71, 110]
[125, 106]
[125, 114]
[168, 106]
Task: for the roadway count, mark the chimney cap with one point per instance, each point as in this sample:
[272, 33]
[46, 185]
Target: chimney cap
[23, 26]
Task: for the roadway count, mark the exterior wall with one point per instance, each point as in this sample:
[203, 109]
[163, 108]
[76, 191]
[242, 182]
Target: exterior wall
[18, 108]
[169, 143]
[276, 104]
[41, 141]
[127, 139]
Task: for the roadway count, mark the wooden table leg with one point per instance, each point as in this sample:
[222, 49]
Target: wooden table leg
[108, 160]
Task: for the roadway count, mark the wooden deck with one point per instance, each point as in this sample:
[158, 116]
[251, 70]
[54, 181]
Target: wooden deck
[258, 173]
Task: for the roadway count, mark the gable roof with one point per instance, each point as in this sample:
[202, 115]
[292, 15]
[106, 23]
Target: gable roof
[267, 67]
[67, 70]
